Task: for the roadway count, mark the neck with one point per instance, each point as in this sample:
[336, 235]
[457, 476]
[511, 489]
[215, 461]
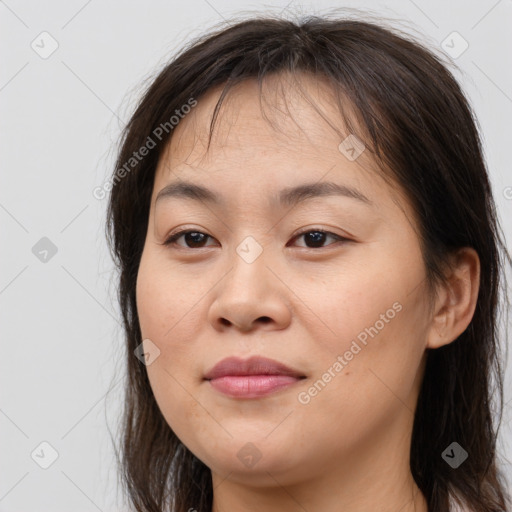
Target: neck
[406, 498]
[373, 477]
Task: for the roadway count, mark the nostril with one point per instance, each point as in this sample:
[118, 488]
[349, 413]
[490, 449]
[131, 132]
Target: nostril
[227, 323]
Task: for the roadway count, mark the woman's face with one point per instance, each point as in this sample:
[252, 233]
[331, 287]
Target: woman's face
[344, 311]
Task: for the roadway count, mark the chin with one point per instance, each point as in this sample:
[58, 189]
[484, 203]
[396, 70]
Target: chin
[250, 461]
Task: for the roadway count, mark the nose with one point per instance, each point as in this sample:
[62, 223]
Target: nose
[250, 296]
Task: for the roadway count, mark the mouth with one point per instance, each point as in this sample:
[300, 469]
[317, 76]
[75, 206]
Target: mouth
[251, 378]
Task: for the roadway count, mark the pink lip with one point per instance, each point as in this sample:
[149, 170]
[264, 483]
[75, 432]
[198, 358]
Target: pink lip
[251, 378]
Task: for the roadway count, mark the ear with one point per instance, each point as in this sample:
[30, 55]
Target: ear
[456, 299]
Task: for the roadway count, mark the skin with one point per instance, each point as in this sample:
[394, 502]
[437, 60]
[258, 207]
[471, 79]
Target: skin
[348, 447]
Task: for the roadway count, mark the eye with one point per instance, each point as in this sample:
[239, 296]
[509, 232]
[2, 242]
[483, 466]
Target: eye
[314, 238]
[193, 239]
[317, 237]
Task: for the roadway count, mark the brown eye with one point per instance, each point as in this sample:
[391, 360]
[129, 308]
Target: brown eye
[193, 239]
[316, 238]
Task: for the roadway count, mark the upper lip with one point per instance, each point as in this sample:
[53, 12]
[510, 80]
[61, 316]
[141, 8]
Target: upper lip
[255, 365]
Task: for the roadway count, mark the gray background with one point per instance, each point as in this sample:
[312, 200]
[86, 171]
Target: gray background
[61, 370]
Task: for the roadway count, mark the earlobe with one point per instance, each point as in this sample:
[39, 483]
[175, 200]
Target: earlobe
[456, 299]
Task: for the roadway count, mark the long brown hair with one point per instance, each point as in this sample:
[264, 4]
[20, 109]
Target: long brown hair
[411, 113]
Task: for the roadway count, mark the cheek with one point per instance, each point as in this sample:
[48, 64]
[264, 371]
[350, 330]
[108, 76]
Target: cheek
[171, 316]
[166, 303]
[367, 316]
[367, 380]
[190, 420]
[353, 305]
[369, 331]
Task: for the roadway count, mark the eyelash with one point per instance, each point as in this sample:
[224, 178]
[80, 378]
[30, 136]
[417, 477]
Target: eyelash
[174, 237]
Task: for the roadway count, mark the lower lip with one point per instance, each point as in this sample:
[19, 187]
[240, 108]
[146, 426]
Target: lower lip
[251, 386]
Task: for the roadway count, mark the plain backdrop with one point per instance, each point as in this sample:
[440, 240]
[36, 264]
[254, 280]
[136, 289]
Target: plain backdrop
[70, 74]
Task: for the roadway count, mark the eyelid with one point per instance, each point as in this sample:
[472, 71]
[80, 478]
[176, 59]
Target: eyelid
[175, 235]
[309, 229]
[339, 238]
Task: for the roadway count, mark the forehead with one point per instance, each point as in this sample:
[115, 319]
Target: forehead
[291, 136]
[292, 119]
[247, 119]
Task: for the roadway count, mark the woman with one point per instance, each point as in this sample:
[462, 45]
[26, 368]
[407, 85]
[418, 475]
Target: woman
[310, 267]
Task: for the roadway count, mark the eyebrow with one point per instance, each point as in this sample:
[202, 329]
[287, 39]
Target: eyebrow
[289, 196]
